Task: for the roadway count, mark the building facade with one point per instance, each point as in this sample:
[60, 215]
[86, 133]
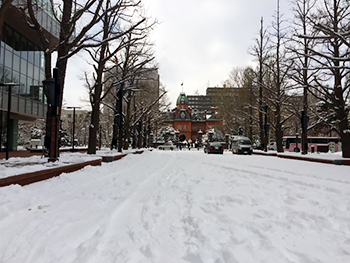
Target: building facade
[189, 121]
[22, 66]
[200, 102]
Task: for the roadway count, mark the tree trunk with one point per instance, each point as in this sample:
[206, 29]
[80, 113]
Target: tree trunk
[120, 112]
[340, 106]
[278, 129]
[139, 141]
[261, 77]
[251, 109]
[127, 138]
[93, 129]
[305, 82]
[63, 48]
[96, 97]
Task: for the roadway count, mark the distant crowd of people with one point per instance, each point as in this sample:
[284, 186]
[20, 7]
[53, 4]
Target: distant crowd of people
[188, 145]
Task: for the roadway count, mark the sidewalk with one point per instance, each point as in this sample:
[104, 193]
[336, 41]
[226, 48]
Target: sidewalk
[38, 152]
[32, 169]
[330, 158]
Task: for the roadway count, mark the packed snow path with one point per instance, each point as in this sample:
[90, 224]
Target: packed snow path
[181, 206]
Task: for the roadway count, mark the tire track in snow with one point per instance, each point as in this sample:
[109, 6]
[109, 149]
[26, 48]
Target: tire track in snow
[129, 223]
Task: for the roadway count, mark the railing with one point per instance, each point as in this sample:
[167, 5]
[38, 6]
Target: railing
[23, 105]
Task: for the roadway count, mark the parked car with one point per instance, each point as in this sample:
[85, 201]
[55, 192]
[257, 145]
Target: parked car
[241, 144]
[213, 147]
[167, 146]
[272, 146]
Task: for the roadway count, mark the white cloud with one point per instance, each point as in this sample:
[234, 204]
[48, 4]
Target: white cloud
[199, 42]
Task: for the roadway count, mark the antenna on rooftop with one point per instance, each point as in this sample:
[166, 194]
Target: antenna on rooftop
[182, 87]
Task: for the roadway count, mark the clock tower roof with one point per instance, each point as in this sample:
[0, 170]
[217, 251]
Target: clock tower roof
[182, 99]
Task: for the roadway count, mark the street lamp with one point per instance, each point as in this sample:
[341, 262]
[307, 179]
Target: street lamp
[73, 125]
[266, 128]
[304, 123]
[53, 93]
[296, 149]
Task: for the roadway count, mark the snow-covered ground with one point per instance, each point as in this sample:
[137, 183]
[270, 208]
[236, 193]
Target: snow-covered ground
[181, 206]
[20, 165]
[17, 165]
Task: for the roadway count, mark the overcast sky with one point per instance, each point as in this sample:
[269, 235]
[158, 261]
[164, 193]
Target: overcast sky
[197, 43]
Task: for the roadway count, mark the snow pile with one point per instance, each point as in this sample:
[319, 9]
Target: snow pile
[327, 156]
[183, 206]
[18, 165]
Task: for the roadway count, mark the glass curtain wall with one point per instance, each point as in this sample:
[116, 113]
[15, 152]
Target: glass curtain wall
[21, 61]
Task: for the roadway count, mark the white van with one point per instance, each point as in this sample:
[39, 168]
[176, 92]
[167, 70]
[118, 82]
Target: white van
[241, 144]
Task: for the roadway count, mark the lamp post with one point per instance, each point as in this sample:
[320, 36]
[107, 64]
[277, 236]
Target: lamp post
[296, 149]
[9, 85]
[53, 93]
[73, 133]
[266, 128]
[304, 124]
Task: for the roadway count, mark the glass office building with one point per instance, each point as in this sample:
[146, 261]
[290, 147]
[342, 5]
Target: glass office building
[22, 64]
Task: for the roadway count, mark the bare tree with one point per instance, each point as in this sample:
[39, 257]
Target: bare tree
[137, 54]
[72, 37]
[143, 99]
[301, 71]
[278, 65]
[116, 25]
[260, 51]
[145, 114]
[332, 55]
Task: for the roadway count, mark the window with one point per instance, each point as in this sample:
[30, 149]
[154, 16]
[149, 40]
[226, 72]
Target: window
[179, 127]
[30, 82]
[37, 59]
[16, 62]
[24, 48]
[17, 45]
[9, 37]
[15, 77]
[8, 58]
[23, 82]
[24, 66]
[42, 60]
[36, 73]
[7, 77]
[31, 52]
